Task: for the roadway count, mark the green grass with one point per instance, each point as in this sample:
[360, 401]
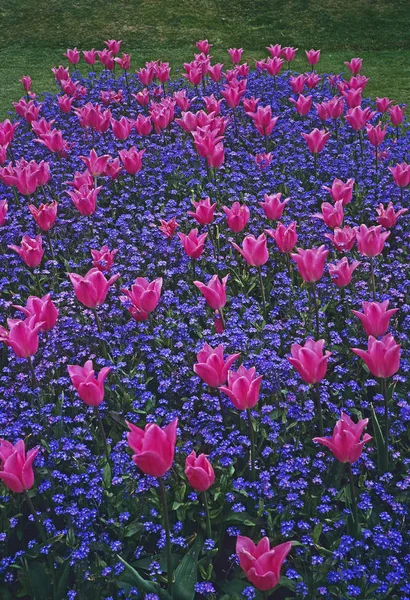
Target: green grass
[34, 33]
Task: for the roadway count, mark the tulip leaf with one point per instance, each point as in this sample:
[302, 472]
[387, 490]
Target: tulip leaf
[186, 573]
[140, 583]
[380, 441]
[39, 581]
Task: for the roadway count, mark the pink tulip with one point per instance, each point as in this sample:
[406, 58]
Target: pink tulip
[370, 240]
[316, 140]
[122, 128]
[199, 472]
[397, 114]
[289, 53]
[132, 160]
[376, 134]
[214, 291]
[92, 289]
[204, 46]
[144, 296]
[335, 107]
[263, 120]
[354, 65]
[193, 243]
[357, 117]
[274, 50]
[383, 104]
[114, 168]
[341, 191]
[65, 103]
[95, 164]
[27, 82]
[311, 80]
[322, 111]
[261, 563]
[168, 227]
[204, 211]
[73, 56]
[273, 207]
[382, 356]
[345, 442]
[310, 263]
[285, 237]
[387, 217]
[22, 336]
[212, 105]
[309, 360]
[103, 259]
[254, 250]
[235, 54]
[303, 104]
[312, 56]
[3, 211]
[232, 95]
[341, 272]
[332, 215]
[215, 72]
[40, 310]
[211, 366]
[85, 199]
[90, 56]
[16, 467]
[113, 45]
[45, 215]
[243, 387]
[401, 174]
[343, 238]
[90, 389]
[31, 250]
[154, 447]
[237, 216]
[124, 62]
[297, 83]
[375, 318]
[143, 125]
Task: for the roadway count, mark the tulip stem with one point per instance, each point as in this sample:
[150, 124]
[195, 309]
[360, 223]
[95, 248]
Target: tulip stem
[97, 320]
[221, 314]
[265, 595]
[319, 408]
[252, 441]
[353, 495]
[262, 292]
[316, 309]
[33, 373]
[167, 534]
[315, 163]
[50, 245]
[102, 432]
[386, 419]
[208, 517]
[372, 278]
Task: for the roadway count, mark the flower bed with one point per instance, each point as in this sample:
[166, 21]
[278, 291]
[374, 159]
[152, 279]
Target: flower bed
[215, 264]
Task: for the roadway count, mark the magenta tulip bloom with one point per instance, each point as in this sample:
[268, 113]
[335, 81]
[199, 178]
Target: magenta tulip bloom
[273, 207]
[144, 296]
[354, 65]
[309, 360]
[387, 217]
[261, 563]
[3, 211]
[204, 211]
[45, 215]
[316, 140]
[303, 104]
[331, 214]
[311, 263]
[370, 240]
[92, 289]
[382, 356]
[22, 336]
[132, 160]
[90, 389]
[95, 164]
[345, 442]
[342, 272]
[341, 190]
[103, 259]
[16, 467]
[214, 291]
[199, 472]
[193, 243]
[243, 387]
[237, 216]
[375, 317]
[40, 310]
[343, 238]
[31, 250]
[312, 56]
[154, 447]
[285, 237]
[254, 250]
[211, 366]
[401, 174]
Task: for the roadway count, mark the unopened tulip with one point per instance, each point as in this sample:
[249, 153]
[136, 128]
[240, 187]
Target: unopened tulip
[92, 289]
[40, 310]
[345, 443]
[273, 207]
[309, 360]
[375, 317]
[397, 114]
[235, 54]
[90, 389]
[211, 367]
[85, 199]
[261, 563]
[310, 263]
[153, 447]
[382, 356]
[312, 56]
[387, 217]
[45, 215]
[199, 472]
[383, 104]
[243, 387]
[237, 216]
[16, 467]
[254, 250]
[376, 134]
[371, 240]
[357, 117]
[341, 272]
[31, 250]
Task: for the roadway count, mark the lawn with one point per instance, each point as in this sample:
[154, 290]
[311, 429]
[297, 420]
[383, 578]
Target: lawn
[35, 33]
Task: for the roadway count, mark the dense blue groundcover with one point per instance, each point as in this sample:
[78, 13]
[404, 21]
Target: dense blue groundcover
[93, 516]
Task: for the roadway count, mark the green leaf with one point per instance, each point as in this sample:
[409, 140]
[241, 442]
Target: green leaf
[140, 583]
[186, 573]
[63, 573]
[380, 441]
[39, 581]
[107, 476]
